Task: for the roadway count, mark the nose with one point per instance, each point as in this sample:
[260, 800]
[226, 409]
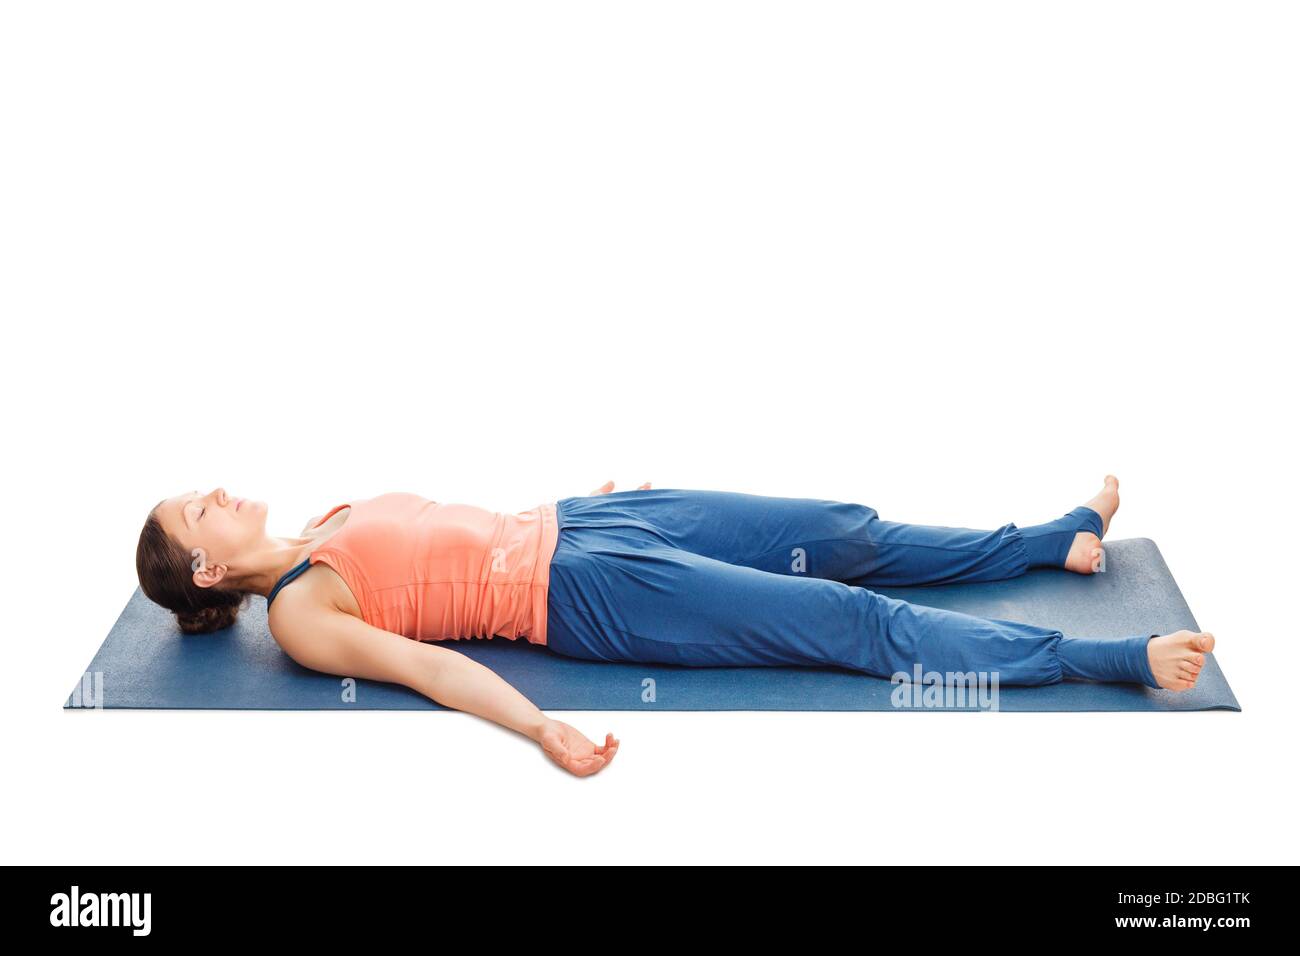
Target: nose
[220, 496]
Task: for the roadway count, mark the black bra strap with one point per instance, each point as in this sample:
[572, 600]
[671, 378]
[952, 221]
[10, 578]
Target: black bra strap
[289, 575]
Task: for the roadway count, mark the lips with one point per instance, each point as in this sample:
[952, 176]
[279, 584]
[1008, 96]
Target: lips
[239, 504]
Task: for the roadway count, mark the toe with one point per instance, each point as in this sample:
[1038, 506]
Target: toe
[1205, 642]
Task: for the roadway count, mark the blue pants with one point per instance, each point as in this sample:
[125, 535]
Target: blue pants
[709, 579]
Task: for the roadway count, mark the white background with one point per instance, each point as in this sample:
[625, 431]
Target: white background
[955, 261]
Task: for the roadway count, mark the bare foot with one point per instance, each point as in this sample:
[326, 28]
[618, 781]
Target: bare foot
[1086, 553]
[1176, 659]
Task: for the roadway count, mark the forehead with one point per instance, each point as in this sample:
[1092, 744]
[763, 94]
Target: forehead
[171, 511]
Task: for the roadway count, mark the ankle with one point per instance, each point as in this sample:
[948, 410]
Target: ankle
[1048, 545]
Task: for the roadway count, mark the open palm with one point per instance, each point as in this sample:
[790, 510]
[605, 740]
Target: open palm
[575, 753]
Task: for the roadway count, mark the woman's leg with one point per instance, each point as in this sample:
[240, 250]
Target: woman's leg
[618, 596]
[839, 541]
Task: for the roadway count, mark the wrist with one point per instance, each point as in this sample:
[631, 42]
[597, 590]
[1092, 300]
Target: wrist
[536, 727]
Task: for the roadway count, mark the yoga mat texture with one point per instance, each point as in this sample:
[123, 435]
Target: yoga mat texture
[146, 663]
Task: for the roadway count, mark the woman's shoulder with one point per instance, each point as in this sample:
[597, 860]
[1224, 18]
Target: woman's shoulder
[318, 590]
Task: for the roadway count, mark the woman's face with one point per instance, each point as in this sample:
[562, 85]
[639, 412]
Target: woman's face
[216, 529]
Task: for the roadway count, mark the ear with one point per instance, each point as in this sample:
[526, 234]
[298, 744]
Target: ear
[210, 575]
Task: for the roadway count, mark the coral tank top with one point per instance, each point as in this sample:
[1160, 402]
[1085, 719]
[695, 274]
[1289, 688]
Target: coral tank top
[436, 572]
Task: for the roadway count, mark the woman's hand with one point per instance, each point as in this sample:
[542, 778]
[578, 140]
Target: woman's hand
[574, 752]
[608, 486]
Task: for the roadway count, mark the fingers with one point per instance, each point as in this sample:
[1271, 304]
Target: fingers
[608, 486]
[602, 756]
[586, 766]
[608, 748]
[579, 766]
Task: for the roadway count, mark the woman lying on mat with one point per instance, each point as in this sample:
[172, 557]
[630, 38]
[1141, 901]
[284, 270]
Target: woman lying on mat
[698, 578]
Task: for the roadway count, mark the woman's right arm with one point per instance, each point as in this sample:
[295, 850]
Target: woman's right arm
[330, 640]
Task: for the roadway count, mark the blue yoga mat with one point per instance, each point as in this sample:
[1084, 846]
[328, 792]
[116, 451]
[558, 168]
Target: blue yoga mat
[147, 663]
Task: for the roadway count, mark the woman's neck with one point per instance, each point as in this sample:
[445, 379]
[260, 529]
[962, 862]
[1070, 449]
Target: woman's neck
[270, 562]
[275, 557]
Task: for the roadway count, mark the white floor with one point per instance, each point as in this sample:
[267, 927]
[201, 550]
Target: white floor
[954, 262]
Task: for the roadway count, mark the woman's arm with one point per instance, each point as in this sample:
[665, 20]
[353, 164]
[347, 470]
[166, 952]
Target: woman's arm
[330, 640]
